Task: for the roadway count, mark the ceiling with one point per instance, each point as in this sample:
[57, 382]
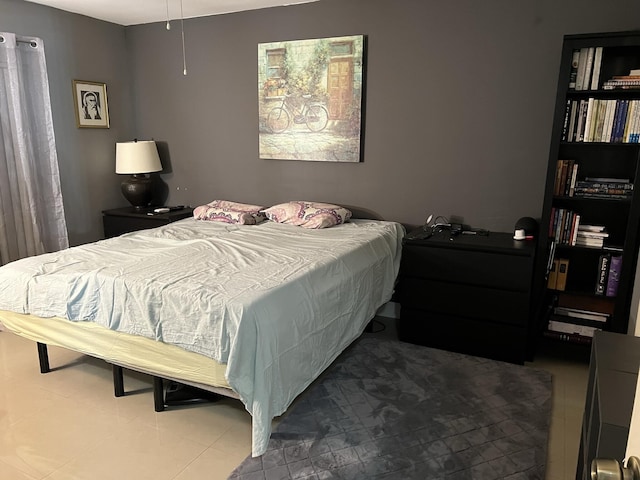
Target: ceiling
[134, 12]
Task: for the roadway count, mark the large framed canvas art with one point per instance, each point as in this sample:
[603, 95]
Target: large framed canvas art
[310, 99]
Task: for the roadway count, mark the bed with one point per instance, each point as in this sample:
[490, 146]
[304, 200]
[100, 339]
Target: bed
[255, 312]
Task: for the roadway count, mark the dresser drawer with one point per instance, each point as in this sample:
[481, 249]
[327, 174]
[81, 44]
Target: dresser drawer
[464, 335]
[496, 270]
[503, 306]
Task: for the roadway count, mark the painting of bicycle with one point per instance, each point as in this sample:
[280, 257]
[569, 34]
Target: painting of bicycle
[310, 99]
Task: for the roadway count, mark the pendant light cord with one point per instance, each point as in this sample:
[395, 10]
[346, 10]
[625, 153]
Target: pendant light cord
[168, 24]
[184, 56]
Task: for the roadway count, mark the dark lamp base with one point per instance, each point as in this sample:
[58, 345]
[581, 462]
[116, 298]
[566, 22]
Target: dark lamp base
[137, 190]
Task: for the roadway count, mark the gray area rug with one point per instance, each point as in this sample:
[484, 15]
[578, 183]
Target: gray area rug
[392, 410]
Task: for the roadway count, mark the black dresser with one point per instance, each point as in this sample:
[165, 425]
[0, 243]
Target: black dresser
[468, 293]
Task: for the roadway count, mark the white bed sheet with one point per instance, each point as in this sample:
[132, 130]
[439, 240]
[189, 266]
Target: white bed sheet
[276, 303]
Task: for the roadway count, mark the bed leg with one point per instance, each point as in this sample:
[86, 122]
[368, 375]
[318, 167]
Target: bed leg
[158, 394]
[118, 381]
[43, 356]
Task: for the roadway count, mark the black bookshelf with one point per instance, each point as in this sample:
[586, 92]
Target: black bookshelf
[605, 159]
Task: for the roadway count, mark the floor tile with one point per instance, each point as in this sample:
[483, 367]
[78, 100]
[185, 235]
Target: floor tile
[67, 424]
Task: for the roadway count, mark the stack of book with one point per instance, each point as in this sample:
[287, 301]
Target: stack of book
[573, 321]
[609, 268]
[624, 82]
[591, 236]
[597, 187]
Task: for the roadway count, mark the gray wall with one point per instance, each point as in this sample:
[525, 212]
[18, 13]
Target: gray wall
[459, 104]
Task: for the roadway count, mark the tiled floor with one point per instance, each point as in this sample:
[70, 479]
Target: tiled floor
[68, 425]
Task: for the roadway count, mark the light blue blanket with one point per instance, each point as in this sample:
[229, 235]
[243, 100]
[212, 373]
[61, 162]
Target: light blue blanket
[276, 303]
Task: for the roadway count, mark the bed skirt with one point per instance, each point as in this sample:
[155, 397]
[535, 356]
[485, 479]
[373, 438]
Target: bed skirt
[129, 351]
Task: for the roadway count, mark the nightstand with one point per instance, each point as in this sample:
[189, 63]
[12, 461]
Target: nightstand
[468, 293]
[129, 219]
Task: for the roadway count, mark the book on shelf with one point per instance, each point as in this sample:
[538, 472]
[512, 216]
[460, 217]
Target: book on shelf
[607, 180]
[565, 124]
[582, 65]
[562, 327]
[550, 260]
[592, 228]
[563, 270]
[613, 277]
[571, 328]
[584, 82]
[591, 236]
[587, 134]
[597, 62]
[552, 279]
[568, 337]
[575, 61]
[571, 135]
[603, 270]
[589, 242]
[582, 314]
[580, 119]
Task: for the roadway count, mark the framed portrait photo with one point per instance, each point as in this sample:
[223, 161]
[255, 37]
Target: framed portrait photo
[90, 99]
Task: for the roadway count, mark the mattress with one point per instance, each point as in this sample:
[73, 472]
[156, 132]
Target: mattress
[275, 303]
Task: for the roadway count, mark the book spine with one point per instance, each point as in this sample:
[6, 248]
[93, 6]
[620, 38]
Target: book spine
[574, 236]
[611, 109]
[574, 179]
[621, 120]
[588, 120]
[603, 269]
[571, 135]
[575, 61]
[563, 177]
[582, 116]
[629, 121]
[613, 279]
[567, 337]
[563, 271]
[582, 65]
[556, 185]
[598, 135]
[586, 81]
[597, 61]
[565, 124]
[553, 275]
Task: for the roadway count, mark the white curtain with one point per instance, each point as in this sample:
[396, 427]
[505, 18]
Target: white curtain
[31, 211]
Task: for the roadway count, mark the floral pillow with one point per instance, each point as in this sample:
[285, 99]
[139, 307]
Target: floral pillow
[230, 212]
[308, 214]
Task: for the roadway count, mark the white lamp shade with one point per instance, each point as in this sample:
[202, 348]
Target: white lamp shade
[137, 157]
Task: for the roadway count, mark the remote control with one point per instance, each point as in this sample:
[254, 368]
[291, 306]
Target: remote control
[167, 209]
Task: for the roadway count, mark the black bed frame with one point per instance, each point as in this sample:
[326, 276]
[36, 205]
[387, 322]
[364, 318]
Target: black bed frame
[177, 394]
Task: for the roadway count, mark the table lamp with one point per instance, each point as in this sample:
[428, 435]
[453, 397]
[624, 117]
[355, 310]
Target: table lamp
[137, 158]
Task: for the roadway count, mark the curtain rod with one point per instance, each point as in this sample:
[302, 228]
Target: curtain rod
[33, 43]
